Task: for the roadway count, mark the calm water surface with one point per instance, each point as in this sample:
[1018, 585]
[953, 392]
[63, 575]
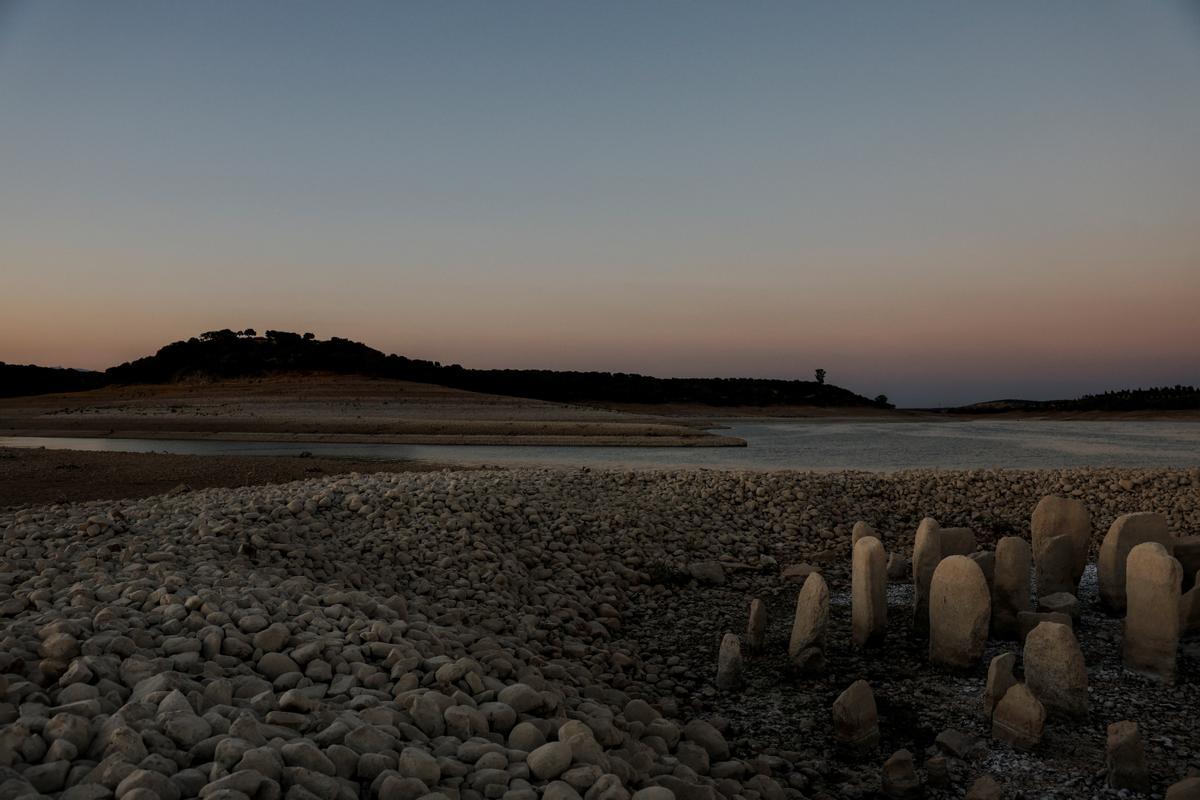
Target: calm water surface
[775, 444]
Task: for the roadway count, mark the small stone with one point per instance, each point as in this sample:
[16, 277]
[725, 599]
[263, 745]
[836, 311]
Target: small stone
[1028, 620]
[729, 662]
[856, 719]
[1125, 758]
[900, 776]
[550, 760]
[1019, 718]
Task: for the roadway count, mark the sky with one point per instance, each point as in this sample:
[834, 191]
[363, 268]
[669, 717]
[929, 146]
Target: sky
[941, 202]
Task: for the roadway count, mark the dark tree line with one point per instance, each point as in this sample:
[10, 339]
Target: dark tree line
[23, 379]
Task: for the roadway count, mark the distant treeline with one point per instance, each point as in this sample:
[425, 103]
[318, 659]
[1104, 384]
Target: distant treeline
[22, 379]
[240, 354]
[1156, 398]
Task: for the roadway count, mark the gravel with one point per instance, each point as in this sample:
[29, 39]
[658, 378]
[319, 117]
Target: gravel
[419, 635]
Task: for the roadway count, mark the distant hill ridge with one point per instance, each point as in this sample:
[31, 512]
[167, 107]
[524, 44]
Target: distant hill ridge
[1156, 398]
[239, 354]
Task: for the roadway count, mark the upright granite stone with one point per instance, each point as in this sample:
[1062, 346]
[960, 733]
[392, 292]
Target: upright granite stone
[859, 531]
[856, 719]
[1019, 718]
[1153, 579]
[1126, 533]
[957, 541]
[1055, 671]
[1125, 758]
[1010, 587]
[999, 680]
[899, 777]
[868, 592]
[807, 645]
[756, 626]
[1028, 620]
[1056, 566]
[927, 552]
[729, 662]
[1061, 516]
[960, 608]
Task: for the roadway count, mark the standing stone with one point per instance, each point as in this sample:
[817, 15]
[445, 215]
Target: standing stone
[1126, 533]
[1060, 516]
[1186, 789]
[860, 530]
[868, 592]
[1186, 550]
[1060, 603]
[1028, 620]
[1019, 718]
[1056, 566]
[1125, 758]
[986, 559]
[1055, 671]
[960, 608]
[1153, 580]
[806, 648]
[1189, 611]
[756, 625]
[927, 552]
[729, 662]
[999, 680]
[900, 776]
[956, 541]
[1010, 587]
[856, 719]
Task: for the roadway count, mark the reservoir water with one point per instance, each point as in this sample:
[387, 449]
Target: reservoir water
[774, 444]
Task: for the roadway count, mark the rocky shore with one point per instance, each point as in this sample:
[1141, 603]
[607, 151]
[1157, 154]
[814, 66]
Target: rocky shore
[505, 635]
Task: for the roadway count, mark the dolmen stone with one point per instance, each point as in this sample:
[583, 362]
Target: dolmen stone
[860, 530]
[1010, 587]
[1061, 603]
[1019, 718]
[927, 552]
[856, 719]
[1056, 566]
[729, 662]
[1000, 679]
[756, 626]
[806, 649]
[960, 608]
[1028, 620]
[1055, 670]
[1126, 533]
[1055, 516]
[868, 592]
[1186, 789]
[1125, 758]
[900, 776]
[1151, 639]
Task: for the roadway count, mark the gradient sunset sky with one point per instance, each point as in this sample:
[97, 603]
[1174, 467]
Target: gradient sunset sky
[942, 202]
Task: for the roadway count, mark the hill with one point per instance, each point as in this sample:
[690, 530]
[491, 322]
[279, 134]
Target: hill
[1158, 398]
[228, 354]
[17, 380]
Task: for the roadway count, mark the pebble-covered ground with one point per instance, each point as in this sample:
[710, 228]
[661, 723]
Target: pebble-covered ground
[505, 635]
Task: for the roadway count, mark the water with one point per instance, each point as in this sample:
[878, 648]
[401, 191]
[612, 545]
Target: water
[774, 444]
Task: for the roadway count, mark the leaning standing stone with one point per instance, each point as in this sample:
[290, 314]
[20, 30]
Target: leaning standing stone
[1055, 671]
[927, 552]
[729, 662]
[1056, 566]
[1125, 758]
[999, 680]
[960, 608]
[756, 625]
[1126, 533]
[1060, 516]
[808, 630]
[856, 719]
[1153, 581]
[1010, 588]
[859, 531]
[1019, 718]
[868, 591]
